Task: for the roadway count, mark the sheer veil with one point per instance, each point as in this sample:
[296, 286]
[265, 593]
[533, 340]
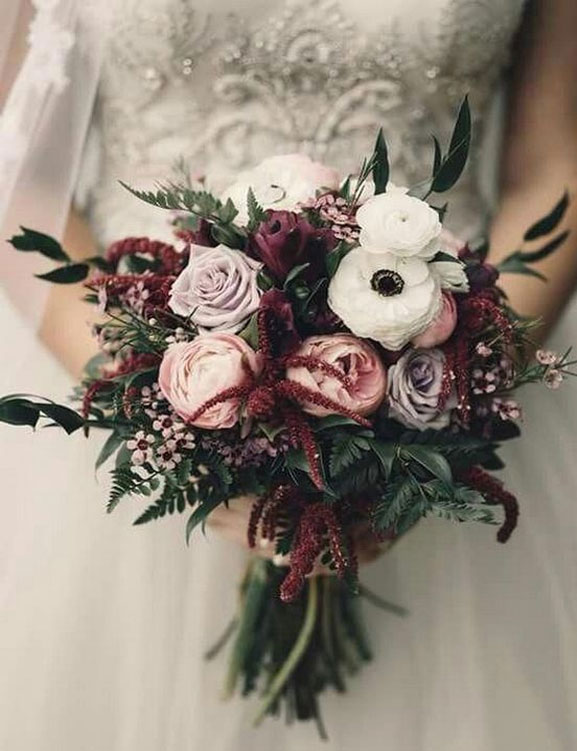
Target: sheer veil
[51, 86]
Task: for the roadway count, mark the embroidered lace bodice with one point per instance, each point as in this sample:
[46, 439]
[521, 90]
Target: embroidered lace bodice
[220, 88]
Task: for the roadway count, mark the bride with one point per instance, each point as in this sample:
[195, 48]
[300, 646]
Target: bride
[104, 627]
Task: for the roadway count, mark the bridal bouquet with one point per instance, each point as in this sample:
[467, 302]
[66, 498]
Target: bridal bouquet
[324, 347]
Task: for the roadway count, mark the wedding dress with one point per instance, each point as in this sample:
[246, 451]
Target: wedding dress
[104, 626]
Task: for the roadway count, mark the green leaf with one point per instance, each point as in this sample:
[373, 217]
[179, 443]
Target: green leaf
[438, 156]
[432, 461]
[538, 255]
[112, 443]
[256, 213]
[513, 265]
[264, 281]
[334, 258]
[38, 242]
[380, 164]
[250, 332]
[334, 421]
[346, 452]
[548, 223]
[454, 163]
[19, 409]
[200, 515]
[398, 498]
[386, 455]
[70, 274]
[18, 413]
[294, 273]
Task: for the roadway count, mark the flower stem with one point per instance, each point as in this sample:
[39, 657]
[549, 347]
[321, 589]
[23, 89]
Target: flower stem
[296, 653]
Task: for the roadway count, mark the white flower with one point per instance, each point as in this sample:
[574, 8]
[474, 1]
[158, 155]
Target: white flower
[395, 222]
[384, 297]
[280, 182]
[451, 271]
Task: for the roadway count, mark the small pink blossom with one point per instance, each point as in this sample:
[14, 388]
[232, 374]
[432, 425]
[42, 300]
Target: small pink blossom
[141, 447]
[359, 363]
[507, 409]
[483, 350]
[553, 378]
[546, 357]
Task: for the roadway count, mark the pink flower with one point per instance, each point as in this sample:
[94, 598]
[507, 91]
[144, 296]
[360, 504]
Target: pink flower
[363, 384]
[217, 290]
[193, 372]
[546, 357]
[442, 326]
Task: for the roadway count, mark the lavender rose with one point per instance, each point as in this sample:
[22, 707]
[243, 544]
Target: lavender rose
[285, 240]
[415, 383]
[217, 290]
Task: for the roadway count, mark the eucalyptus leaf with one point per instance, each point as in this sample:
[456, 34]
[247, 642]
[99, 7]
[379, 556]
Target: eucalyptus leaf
[30, 240]
[548, 223]
[538, 255]
[69, 274]
[110, 446]
[380, 164]
[453, 164]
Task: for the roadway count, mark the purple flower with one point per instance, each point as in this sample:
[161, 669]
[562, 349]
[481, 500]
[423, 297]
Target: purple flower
[414, 389]
[217, 290]
[285, 240]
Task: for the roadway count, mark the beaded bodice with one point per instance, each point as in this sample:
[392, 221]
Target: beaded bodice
[223, 87]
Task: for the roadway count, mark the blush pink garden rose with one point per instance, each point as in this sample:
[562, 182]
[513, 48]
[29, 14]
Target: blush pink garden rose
[355, 359]
[442, 326]
[193, 372]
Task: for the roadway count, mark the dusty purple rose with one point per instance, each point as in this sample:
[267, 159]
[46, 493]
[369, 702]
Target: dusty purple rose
[285, 240]
[414, 387]
[217, 290]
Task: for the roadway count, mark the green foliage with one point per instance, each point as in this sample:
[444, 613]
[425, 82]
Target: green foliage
[72, 273]
[256, 213]
[346, 451]
[380, 164]
[519, 261]
[448, 168]
[548, 223]
[126, 482]
[21, 409]
[182, 198]
[171, 499]
[37, 242]
[334, 258]
[114, 441]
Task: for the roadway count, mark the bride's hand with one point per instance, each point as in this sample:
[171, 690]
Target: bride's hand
[232, 523]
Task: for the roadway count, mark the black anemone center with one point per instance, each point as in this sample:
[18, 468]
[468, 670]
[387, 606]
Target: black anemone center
[387, 282]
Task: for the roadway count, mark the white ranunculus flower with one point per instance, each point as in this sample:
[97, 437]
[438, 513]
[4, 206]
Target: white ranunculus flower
[395, 222]
[384, 297]
[281, 182]
[451, 273]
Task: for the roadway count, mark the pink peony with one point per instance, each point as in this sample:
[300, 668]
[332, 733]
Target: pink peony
[355, 359]
[193, 372]
[442, 326]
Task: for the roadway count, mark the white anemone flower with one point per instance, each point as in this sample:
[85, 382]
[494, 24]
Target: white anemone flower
[384, 297]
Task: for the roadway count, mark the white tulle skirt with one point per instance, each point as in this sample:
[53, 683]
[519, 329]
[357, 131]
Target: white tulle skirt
[103, 626]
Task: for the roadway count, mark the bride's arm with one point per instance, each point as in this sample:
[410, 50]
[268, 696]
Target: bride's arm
[66, 324]
[540, 154]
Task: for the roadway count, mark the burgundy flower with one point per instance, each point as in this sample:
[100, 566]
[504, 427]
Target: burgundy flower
[479, 274]
[285, 240]
[278, 302]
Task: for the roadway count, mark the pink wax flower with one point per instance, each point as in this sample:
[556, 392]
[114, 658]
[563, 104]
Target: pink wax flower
[442, 326]
[193, 372]
[363, 383]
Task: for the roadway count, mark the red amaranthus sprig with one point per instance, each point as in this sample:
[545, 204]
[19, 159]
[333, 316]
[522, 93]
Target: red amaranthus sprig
[318, 529]
[494, 492]
[171, 261]
[477, 312]
[271, 397]
[116, 286]
[133, 363]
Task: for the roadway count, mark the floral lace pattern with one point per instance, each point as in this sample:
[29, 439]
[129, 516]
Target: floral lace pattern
[224, 93]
